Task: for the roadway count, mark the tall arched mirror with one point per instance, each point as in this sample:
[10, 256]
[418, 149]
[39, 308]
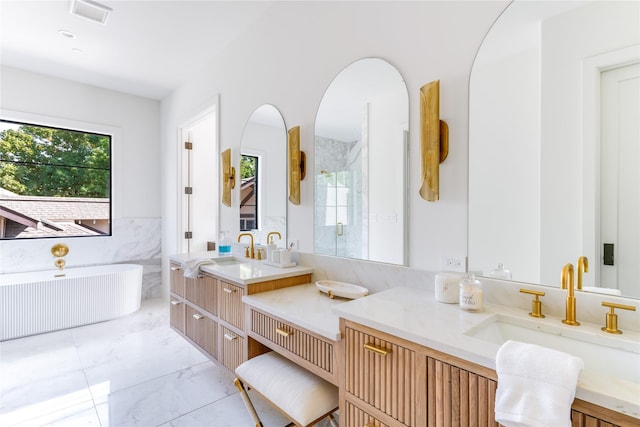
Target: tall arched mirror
[263, 174]
[554, 144]
[361, 164]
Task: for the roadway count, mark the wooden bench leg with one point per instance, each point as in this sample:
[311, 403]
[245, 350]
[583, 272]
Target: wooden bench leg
[247, 403]
[332, 421]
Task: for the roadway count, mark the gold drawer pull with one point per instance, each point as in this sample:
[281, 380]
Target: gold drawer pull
[375, 349]
[229, 337]
[283, 332]
[229, 291]
[176, 269]
[175, 302]
[198, 316]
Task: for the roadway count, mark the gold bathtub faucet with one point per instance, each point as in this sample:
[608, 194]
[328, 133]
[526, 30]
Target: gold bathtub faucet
[59, 250]
[567, 283]
[250, 253]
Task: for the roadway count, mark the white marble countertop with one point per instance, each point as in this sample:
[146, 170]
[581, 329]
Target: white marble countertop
[301, 305]
[245, 272]
[416, 316]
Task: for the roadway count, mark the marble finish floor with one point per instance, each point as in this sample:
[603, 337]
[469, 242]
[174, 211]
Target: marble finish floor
[131, 371]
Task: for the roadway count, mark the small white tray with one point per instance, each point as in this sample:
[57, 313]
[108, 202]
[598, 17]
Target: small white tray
[341, 289]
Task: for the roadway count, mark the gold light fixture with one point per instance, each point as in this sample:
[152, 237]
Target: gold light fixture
[297, 165]
[228, 177]
[434, 140]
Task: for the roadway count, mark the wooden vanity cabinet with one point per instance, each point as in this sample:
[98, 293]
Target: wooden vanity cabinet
[209, 313]
[392, 382]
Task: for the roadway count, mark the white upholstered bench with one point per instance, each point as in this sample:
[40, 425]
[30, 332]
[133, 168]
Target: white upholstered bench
[302, 397]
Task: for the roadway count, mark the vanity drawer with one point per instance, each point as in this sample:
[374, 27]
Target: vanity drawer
[455, 395]
[315, 351]
[356, 417]
[176, 279]
[176, 314]
[202, 292]
[231, 306]
[202, 330]
[232, 349]
[381, 372]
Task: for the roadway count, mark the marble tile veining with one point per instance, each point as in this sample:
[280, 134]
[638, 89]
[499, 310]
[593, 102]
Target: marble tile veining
[131, 371]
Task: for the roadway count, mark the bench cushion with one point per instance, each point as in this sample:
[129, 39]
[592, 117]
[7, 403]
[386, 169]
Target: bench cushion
[304, 396]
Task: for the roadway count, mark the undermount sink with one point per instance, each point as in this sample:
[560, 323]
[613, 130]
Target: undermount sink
[617, 356]
[229, 261]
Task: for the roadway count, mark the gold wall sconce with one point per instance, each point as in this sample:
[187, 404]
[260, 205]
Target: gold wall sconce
[228, 177]
[297, 165]
[434, 140]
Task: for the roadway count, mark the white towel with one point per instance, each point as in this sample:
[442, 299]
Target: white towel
[192, 266]
[536, 385]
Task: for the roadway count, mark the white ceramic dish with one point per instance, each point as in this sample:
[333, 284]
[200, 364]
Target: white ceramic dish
[341, 289]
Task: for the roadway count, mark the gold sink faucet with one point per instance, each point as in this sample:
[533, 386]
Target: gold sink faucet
[250, 252]
[567, 283]
[583, 267]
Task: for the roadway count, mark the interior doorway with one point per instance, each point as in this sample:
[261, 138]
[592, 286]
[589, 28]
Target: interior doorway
[620, 179]
[199, 189]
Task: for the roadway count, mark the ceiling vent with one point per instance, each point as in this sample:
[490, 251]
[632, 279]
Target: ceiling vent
[90, 10]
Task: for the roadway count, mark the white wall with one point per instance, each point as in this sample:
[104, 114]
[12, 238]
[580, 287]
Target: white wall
[135, 161]
[289, 58]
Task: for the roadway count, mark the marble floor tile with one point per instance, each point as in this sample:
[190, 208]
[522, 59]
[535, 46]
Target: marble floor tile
[83, 414]
[131, 371]
[162, 399]
[230, 412]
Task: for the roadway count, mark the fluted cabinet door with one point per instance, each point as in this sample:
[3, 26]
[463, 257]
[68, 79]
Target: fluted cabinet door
[177, 279]
[202, 330]
[231, 306]
[381, 373]
[578, 419]
[176, 314]
[354, 416]
[456, 397]
[232, 354]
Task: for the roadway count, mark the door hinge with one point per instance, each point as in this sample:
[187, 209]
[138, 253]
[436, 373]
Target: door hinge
[188, 190]
[188, 145]
[188, 235]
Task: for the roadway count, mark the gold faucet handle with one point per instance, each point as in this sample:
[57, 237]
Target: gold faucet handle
[612, 318]
[536, 304]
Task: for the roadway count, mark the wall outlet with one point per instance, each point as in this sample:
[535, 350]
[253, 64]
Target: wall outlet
[454, 263]
[295, 244]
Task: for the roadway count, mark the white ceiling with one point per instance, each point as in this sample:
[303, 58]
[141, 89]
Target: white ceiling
[146, 47]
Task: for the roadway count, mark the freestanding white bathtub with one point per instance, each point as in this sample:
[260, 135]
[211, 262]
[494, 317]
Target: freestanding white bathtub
[36, 302]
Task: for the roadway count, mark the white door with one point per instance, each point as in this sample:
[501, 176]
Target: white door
[620, 179]
[200, 184]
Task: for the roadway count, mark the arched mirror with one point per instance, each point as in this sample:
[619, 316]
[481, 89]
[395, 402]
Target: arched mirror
[554, 144]
[263, 175]
[361, 135]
